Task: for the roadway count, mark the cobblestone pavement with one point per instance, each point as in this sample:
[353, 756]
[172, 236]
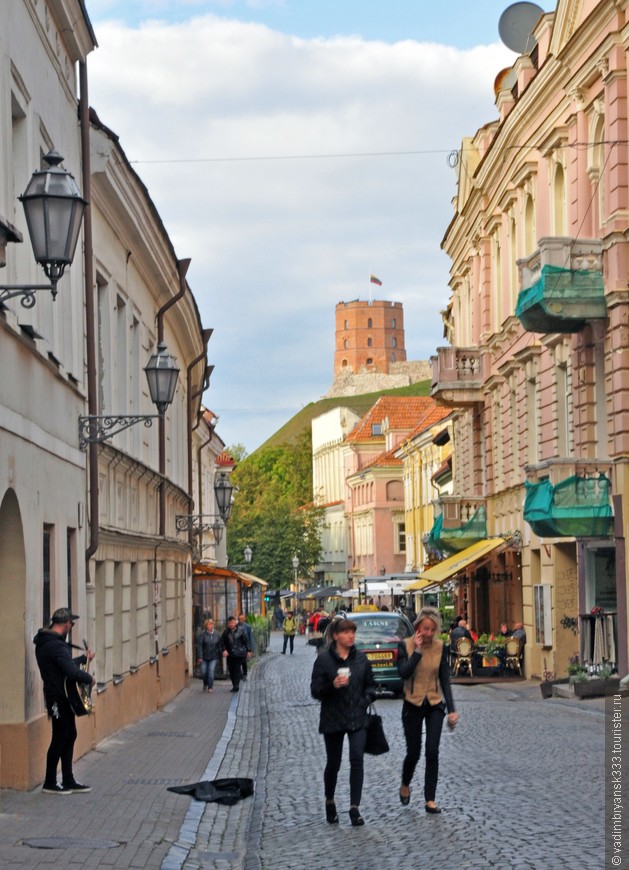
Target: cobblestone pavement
[521, 785]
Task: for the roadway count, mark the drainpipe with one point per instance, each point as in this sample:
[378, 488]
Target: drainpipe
[205, 334]
[90, 327]
[182, 268]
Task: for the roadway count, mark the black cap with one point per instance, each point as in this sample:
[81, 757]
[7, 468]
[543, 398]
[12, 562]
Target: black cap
[62, 615]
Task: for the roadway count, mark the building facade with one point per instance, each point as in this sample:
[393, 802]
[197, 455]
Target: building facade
[536, 373]
[369, 336]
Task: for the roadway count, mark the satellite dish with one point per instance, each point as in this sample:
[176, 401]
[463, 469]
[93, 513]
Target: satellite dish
[516, 26]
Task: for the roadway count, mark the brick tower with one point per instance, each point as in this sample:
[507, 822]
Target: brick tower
[369, 336]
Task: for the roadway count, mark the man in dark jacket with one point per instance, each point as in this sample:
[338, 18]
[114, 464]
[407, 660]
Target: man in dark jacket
[55, 665]
[235, 647]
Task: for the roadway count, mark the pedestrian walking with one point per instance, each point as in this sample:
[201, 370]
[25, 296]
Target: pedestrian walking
[242, 620]
[235, 648]
[422, 662]
[56, 665]
[290, 627]
[278, 613]
[343, 681]
[208, 648]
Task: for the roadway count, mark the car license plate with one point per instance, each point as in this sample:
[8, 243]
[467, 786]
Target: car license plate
[380, 656]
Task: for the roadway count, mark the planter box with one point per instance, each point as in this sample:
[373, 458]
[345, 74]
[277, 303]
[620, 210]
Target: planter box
[546, 686]
[596, 688]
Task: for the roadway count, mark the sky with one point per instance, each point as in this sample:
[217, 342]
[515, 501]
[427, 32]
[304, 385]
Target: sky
[293, 148]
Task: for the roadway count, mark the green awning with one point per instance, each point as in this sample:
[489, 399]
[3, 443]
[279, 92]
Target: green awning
[578, 507]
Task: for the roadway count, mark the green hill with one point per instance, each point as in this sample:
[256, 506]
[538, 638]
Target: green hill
[290, 432]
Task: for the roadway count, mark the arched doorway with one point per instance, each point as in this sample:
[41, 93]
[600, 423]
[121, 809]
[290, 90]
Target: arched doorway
[12, 610]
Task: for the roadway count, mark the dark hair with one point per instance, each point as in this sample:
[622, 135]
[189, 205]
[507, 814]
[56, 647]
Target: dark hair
[343, 625]
[231, 617]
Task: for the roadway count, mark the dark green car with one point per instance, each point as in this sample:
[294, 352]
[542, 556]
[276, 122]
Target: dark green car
[378, 635]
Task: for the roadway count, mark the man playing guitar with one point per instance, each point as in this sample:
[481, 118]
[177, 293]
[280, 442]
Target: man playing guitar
[57, 666]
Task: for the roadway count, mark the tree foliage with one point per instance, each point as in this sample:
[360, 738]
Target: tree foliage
[274, 515]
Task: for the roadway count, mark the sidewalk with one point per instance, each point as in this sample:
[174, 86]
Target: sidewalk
[129, 819]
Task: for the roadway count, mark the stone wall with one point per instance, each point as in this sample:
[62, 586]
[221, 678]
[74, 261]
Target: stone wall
[402, 374]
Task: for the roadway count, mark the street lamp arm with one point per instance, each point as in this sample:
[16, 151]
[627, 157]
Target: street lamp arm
[95, 429]
[26, 291]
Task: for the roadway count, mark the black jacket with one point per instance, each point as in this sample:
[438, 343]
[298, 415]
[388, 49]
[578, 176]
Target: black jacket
[208, 646]
[235, 642]
[342, 709]
[55, 661]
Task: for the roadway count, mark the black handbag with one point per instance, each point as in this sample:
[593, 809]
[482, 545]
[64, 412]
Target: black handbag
[376, 742]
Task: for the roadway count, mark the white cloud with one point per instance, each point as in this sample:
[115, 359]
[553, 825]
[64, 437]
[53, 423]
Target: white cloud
[275, 244]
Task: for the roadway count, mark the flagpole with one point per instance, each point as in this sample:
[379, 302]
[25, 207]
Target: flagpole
[369, 283]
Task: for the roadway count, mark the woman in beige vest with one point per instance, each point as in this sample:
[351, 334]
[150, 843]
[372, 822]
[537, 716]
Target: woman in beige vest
[422, 663]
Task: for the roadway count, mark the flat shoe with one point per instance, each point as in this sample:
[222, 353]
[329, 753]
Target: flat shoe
[432, 810]
[405, 800]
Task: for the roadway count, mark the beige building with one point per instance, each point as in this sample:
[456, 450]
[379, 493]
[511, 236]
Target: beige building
[92, 526]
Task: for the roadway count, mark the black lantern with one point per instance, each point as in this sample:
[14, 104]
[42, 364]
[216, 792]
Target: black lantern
[162, 374]
[223, 489]
[54, 208]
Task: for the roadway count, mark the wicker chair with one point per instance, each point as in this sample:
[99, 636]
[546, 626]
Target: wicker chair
[463, 655]
[513, 653]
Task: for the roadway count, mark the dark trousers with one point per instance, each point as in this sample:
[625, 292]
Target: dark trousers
[413, 718]
[334, 753]
[234, 666]
[61, 746]
[289, 638]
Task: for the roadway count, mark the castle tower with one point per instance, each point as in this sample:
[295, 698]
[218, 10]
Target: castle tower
[369, 336]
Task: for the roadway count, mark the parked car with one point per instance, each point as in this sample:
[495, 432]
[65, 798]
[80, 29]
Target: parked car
[378, 635]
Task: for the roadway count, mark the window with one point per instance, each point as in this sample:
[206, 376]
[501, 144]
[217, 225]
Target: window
[393, 323]
[543, 627]
[376, 428]
[369, 342]
[370, 323]
[369, 361]
[401, 537]
[394, 342]
[47, 571]
[529, 227]
[346, 344]
[347, 324]
[70, 557]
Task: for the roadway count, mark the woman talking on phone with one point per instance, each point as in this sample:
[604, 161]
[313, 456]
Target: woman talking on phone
[422, 663]
[342, 680]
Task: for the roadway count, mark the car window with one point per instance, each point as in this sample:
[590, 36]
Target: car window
[380, 628]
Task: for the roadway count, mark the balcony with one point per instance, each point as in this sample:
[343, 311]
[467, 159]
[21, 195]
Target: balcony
[462, 522]
[561, 285]
[457, 376]
[569, 499]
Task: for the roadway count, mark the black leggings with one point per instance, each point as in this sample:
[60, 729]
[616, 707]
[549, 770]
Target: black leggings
[62, 743]
[412, 721]
[334, 753]
[289, 639]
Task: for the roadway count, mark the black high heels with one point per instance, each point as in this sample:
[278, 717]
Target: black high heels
[432, 810]
[355, 817]
[405, 799]
[331, 816]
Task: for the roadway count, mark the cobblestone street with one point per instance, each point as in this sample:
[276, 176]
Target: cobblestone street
[521, 784]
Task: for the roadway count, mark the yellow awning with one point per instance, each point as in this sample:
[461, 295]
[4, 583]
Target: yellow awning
[453, 564]
[251, 579]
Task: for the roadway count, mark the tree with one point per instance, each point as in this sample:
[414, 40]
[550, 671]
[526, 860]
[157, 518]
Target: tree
[273, 513]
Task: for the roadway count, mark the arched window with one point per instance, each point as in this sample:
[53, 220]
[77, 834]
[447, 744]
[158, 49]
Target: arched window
[369, 343]
[393, 323]
[529, 227]
[394, 342]
[370, 323]
[369, 361]
[346, 344]
[344, 363]
[559, 202]
[347, 324]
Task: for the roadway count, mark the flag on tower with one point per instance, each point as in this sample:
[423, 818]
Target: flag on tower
[374, 280]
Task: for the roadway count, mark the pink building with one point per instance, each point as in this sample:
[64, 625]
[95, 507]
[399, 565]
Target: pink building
[536, 373]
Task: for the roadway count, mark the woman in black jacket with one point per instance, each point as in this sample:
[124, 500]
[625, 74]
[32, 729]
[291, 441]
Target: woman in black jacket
[342, 680]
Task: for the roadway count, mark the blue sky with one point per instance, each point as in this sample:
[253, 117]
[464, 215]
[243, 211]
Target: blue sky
[292, 148]
[462, 23]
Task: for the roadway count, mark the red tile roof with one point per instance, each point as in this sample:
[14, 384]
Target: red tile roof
[403, 412]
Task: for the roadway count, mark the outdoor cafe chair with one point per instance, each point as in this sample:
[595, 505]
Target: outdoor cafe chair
[463, 655]
[512, 654]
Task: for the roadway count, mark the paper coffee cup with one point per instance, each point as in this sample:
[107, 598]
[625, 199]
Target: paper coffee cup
[343, 672]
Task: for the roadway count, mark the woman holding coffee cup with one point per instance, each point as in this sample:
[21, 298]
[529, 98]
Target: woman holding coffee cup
[343, 681]
[422, 662]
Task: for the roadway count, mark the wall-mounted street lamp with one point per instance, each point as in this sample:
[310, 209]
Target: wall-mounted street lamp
[54, 208]
[223, 489]
[161, 374]
[195, 523]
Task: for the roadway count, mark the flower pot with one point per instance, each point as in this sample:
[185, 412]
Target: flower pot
[596, 688]
[546, 686]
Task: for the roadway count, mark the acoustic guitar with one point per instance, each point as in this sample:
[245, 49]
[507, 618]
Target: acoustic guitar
[79, 695]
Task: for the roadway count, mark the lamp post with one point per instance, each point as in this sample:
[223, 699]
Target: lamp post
[53, 207]
[161, 374]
